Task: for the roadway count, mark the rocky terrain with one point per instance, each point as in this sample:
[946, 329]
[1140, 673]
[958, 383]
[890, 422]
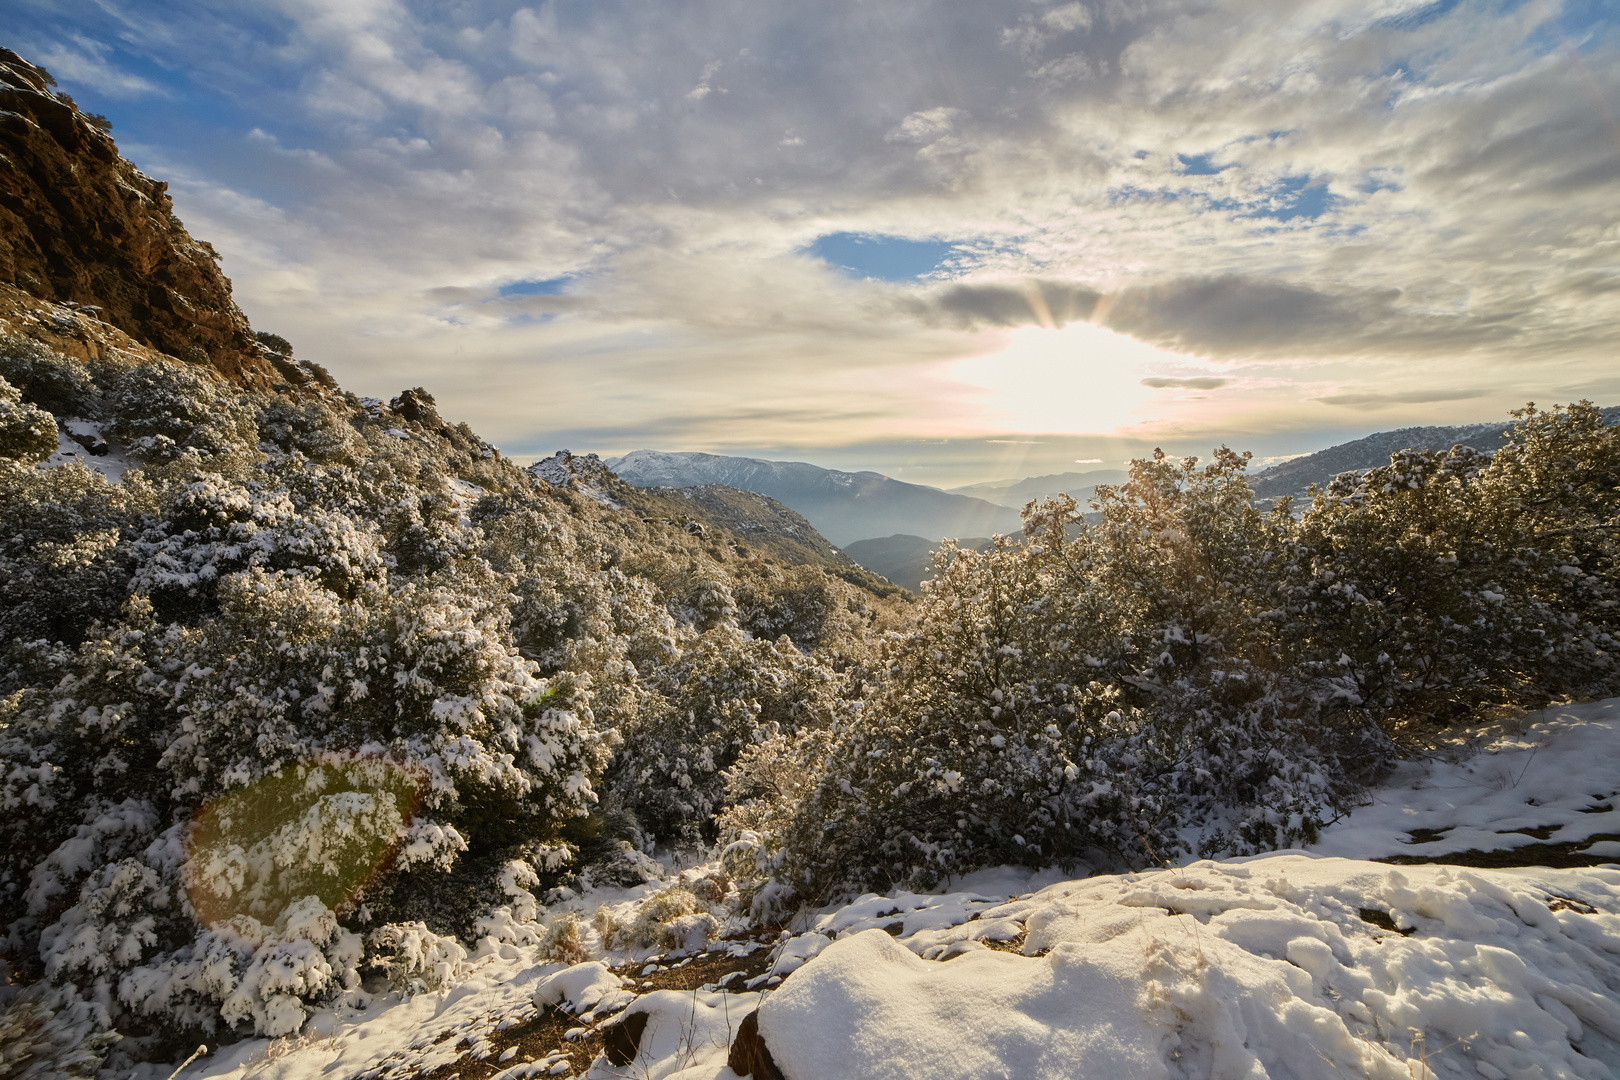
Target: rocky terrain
[81, 226]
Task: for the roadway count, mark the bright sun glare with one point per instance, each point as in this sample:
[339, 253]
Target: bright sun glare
[1077, 378]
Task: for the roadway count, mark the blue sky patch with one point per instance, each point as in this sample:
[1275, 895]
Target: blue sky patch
[887, 258]
[1200, 165]
[1428, 13]
[548, 287]
[1296, 197]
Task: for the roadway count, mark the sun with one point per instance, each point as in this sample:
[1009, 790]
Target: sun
[1079, 378]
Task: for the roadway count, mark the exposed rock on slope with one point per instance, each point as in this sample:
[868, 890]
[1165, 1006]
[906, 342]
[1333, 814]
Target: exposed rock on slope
[80, 225]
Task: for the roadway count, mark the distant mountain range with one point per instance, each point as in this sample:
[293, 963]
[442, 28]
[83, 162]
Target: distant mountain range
[843, 506]
[1295, 477]
[891, 527]
[1017, 493]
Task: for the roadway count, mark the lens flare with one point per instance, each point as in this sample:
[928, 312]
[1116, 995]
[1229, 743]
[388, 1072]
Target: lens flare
[325, 827]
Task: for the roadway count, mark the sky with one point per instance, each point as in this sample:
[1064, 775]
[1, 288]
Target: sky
[951, 241]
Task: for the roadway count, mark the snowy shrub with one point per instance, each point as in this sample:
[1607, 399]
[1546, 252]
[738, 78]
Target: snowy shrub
[1449, 580]
[810, 607]
[309, 429]
[44, 1035]
[665, 919]
[299, 676]
[319, 828]
[64, 557]
[728, 693]
[306, 959]
[1092, 692]
[47, 379]
[564, 942]
[165, 412]
[415, 959]
[689, 932]
[27, 433]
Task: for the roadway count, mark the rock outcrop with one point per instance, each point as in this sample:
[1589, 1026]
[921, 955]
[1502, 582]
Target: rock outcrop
[81, 226]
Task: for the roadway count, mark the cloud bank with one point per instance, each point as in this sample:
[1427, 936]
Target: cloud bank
[1344, 204]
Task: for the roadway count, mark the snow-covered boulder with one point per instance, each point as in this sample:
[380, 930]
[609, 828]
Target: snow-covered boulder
[583, 990]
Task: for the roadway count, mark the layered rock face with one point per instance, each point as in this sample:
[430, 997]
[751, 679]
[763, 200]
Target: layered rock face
[80, 225]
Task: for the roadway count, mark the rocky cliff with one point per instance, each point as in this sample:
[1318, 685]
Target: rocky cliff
[82, 227]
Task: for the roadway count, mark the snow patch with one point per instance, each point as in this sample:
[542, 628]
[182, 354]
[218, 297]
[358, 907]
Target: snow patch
[1280, 966]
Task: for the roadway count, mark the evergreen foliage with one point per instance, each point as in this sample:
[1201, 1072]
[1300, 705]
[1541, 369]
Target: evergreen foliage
[1191, 675]
[325, 686]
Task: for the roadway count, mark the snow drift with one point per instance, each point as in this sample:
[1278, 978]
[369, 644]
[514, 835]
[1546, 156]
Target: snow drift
[1286, 966]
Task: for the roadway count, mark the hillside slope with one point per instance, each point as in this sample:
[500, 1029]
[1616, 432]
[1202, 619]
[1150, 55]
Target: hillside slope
[843, 506]
[742, 523]
[904, 560]
[340, 651]
[1296, 476]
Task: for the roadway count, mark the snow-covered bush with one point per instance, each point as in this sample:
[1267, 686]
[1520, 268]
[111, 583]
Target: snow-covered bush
[726, 694]
[414, 958]
[167, 412]
[45, 1035]
[47, 379]
[65, 560]
[317, 667]
[27, 432]
[672, 919]
[1188, 673]
[564, 941]
[1108, 691]
[1449, 580]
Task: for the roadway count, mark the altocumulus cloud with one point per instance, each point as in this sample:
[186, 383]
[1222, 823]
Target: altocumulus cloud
[1199, 382]
[1236, 179]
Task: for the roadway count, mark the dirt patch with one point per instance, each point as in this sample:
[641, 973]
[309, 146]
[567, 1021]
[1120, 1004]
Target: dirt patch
[1566, 856]
[542, 1036]
[1016, 945]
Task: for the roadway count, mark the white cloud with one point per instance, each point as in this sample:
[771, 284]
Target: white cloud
[86, 63]
[1433, 193]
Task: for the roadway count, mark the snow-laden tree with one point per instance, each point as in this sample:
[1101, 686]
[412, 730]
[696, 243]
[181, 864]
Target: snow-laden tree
[323, 683]
[27, 432]
[1119, 690]
[1449, 580]
[727, 693]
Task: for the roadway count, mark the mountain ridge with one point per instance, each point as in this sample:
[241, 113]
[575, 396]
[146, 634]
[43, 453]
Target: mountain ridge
[843, 506]
[1295, 476]
[1014, 494]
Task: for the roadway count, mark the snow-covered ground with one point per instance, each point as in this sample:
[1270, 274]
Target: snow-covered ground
[108, 462]
[1294, 964]
[1546, 778]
